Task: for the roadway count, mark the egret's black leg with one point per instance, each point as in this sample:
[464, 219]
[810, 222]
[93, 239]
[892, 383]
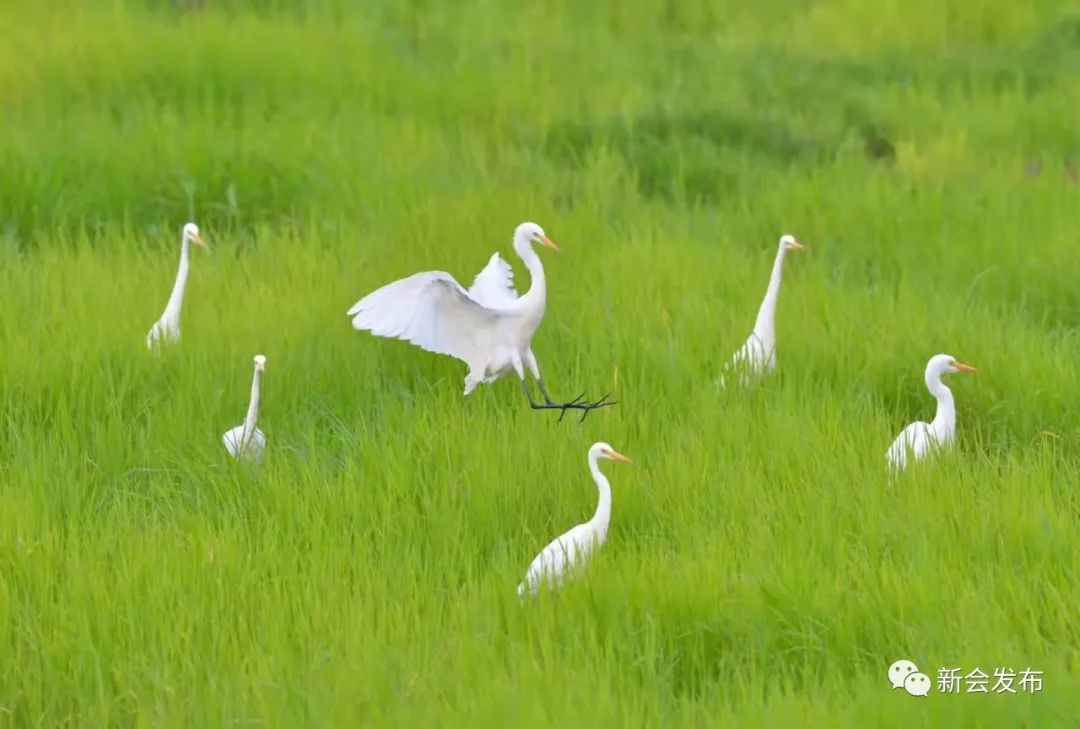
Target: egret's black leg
[532, 403]
[544, 392]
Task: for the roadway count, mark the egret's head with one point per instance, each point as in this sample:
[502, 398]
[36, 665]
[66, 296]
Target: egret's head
[788, 243]
[603, 450]
[260, 362]
[526, 234]
[191, 233]
[945, 364]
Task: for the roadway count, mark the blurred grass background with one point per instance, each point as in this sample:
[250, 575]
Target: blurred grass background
[759, 571]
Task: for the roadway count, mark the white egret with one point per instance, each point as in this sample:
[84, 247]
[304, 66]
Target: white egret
[489, 327]
[573, 548]
[920, 439]
[757, 356]
[167, 329]
[246, 440]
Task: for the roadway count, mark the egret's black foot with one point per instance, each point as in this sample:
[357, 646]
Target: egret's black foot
[578, 403]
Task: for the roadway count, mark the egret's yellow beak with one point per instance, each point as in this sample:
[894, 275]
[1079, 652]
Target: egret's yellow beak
[795, 246]
[197, 240]
[963, 367]
[616, 456]
[545, 241]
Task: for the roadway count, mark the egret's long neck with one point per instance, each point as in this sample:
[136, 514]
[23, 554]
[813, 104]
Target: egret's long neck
[537, 293]
[765, 326]
[253, 406]
[945, 417]
[602, 517]
[176, 298]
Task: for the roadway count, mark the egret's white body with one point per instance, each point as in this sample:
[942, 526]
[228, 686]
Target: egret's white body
[757, 356]
[920, 439]
[166, 330]
[572, 549]
[489, 327]
[246, 440]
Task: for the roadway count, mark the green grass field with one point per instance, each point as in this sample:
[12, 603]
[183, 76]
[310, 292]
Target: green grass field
[759, 571]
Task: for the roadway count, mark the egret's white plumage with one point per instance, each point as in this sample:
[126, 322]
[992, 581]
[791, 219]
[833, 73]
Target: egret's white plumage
[166, 330]
[246, 440]
[570, 550]
[494, 286]
[757, 356]
[920, 439]
[489, 327]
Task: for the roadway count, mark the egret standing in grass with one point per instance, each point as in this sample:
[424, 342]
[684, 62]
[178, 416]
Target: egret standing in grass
[572, 549]
[166, 330]
[757, 356]
[920, 439]
[246, 440]
[489, 327]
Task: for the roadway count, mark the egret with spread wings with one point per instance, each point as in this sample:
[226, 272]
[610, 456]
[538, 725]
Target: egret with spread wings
[488, 327]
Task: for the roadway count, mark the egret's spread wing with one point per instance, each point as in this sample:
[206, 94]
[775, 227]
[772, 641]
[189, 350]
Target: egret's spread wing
[494, 286]
[432, 311]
